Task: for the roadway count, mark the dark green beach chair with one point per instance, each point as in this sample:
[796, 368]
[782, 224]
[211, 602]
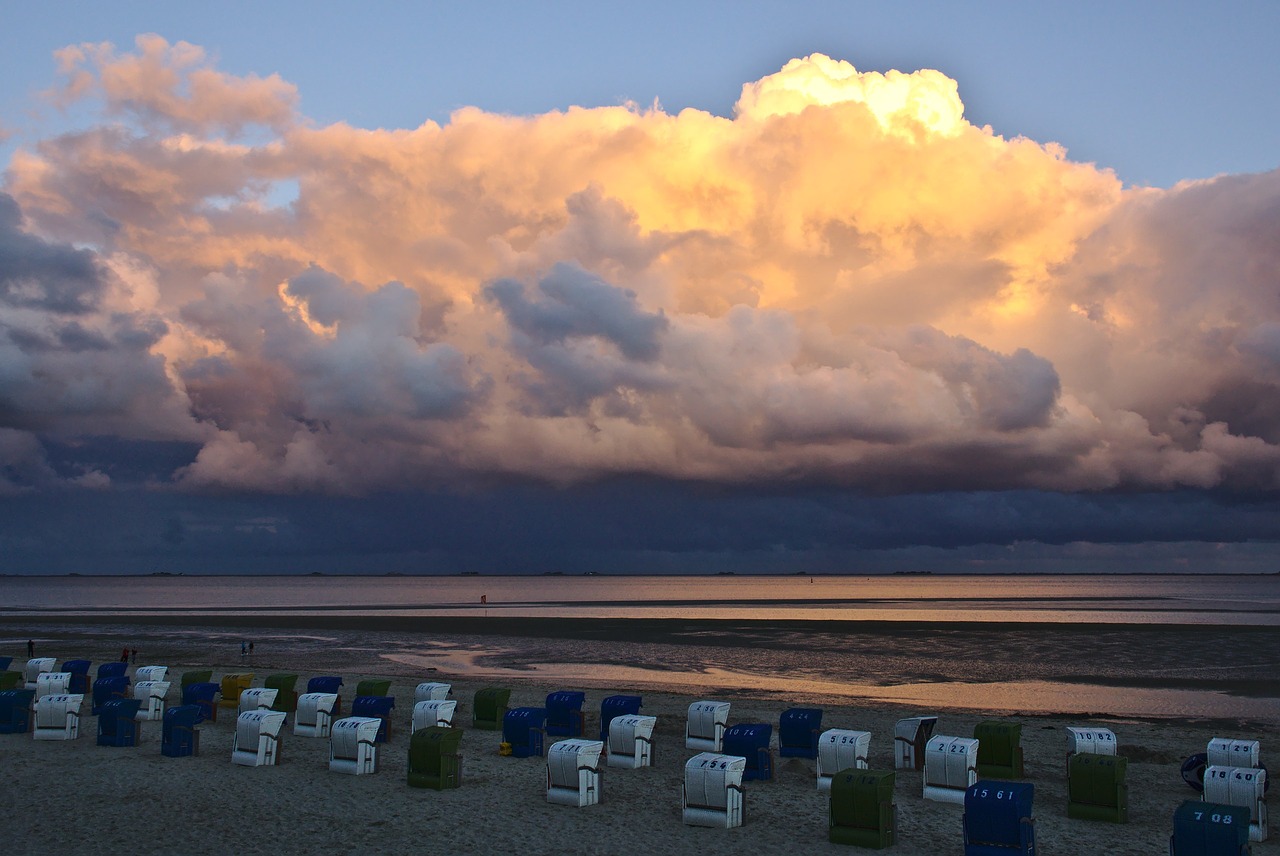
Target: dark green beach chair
[1096, 789]
[286, 692]
[373, 687]
[489, 708]
[999, 749]
[862, 810]
[200, 676]
[434, 759]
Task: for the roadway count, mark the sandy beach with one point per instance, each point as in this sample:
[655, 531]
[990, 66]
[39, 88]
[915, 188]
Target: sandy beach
[66, 795]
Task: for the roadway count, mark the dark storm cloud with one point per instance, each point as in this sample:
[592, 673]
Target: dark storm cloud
[36, 274]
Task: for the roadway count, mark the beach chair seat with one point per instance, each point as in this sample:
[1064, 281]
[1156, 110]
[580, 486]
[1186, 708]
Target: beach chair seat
[950, 767]
[373, 687]
[11, 681]
[256, 698]
[434, 758]
[631, 741]
[998, 819]
[431, 691]
[1231, 752]
[79, 670]
[840, 750]
[1240, 786]
[704, 729]
[152, 695]
[15, 711]
[57, 717]
[564, 713]
[862, 812]
[113, 669]
[257, 738]
[523, 729]
[377, 707]
[617, 705]
[798, 731]
[179, 736]
[204, 696]
[573, 772]
[1210, 829]
[1096, 788]
[999, 749]
[231, 686]
[433, 712]
[117, 723]
[108, 689]
[751, 741]
[196, 676]
[315, 714]
[353, 746]
[35, 667]
[909, 738]
[53, 683]
[712, 792]
[489, 708]
[285, 685]
[151, 673]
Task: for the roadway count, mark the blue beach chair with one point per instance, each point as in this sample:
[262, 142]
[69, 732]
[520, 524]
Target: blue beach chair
[998, 820]
[617, 705]
[564, 713]
[179, 736]
[523, 728]
[751, 741]
[376, 706]
[117, 722]
[798, 732]
[108, 689]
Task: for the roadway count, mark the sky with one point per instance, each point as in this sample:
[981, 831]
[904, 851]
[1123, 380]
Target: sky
[846, 288]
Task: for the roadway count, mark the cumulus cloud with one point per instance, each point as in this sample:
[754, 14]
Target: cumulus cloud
[844, 283]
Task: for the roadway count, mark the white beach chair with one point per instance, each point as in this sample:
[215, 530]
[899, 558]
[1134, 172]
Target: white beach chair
[314, 717]
[151, 673]
[631, 741]
[152, 694]
[573, 772]
[257, 739]
[57, 717]
[840, 749]
[353, 746]
[257, 698]
[704, 730]
[712, 794]
[431, 691]
[950, 767]
[52, 683]
[1242, 786]
[1090, 741]
[909, 738]
[35, 666]
[433, 712]
[1230, 752]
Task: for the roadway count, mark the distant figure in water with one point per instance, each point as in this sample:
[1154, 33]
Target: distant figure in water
[31, 648]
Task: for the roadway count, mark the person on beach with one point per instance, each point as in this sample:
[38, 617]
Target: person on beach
[133, 656]
[124, 655]
[250, 649]
[31, 648]
[243, 650]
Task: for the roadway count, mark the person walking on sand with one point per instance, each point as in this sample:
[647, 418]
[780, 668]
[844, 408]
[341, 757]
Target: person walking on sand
[133, 656]
[31, 648]
[243, 650]
[250, 650]
[124, 655]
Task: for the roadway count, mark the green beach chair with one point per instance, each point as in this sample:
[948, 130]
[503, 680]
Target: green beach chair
[999, 749]
[862, 809]
[286, 691]
[200, 676]
[11, 681]
[434, 759]
[1096, 789]
[489, 708]
[373, 687]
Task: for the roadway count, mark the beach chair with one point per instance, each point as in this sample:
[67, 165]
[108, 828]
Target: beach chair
[53, 683]
[79, 670]
[285, 686]
[909, 738]
[15, 711]
[433, 712]
[108, 689]
[151, 673]
[329, 684]
[152, 695]
[232, 686]
[1231, 752]
[373, 687]
[353, 746]
[798, 731]
[999, 749]
[1090, 741]
[1210, 829]
[179, 736]
[489, 708]
[5, 662]
[564, 713]
[704, 729]
[204, 696]
[573, 772]
[840, 750]
[617, 705]
[1240, 786]
[315, 714]
[257, 739]
[11, 681]
[57, 717]
[114, 669]
[197, 676]
[117, 723]
[751, 741]
[712, 791]
[950, 767]
[998, 819]
[862, 813]
[376, 707]
[631, 741]
[35, 667]
[523, 729]
[256, 698]
[431, 691]
[434, 759]
[1096, 788]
